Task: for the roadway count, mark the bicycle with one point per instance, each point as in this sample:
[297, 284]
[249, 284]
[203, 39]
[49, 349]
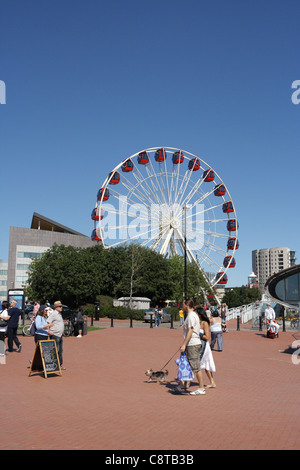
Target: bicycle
[68, 328]
[26, 328]
[256, 322]
[295, 323]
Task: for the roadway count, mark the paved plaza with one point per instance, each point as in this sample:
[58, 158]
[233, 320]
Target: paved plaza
[103, 401]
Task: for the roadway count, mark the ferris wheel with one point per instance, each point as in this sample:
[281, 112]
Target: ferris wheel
[173, 202]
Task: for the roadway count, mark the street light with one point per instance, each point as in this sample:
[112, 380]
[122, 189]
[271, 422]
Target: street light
[185, 208]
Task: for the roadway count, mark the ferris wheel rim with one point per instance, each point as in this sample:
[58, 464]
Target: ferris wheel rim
[186, 156]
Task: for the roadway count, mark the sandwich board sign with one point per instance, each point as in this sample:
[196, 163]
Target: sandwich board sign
[45, 358]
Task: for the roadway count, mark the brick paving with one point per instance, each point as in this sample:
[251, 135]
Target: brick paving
[103, 400]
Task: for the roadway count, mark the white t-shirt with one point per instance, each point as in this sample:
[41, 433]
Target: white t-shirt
[270, 314]
[4, 313]
[215, 326]
[192, 321]
[58, 324]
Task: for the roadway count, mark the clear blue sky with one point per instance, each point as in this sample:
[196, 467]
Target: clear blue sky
[89, 83]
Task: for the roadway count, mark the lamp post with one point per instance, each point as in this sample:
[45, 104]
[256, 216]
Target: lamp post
[185, 261]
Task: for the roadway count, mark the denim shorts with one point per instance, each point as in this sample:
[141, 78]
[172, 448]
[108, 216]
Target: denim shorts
[193, 356]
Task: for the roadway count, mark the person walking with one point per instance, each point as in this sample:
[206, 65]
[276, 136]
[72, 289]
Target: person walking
[13, 322]
[157, 316]
[181, 317]
[192, 345]
[36, 307]
[3, 329]
[223, 312]
[216, 331]
[206, 358]
[78, 323]
[57, 329]
[41, 324]
[271, 316]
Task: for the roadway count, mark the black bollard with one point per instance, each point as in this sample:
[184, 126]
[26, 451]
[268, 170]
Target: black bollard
[97, 311]
[238, 323]
[111, 320]
[283, 321]
[260, 323]
[151, 315]
[130, 320]
[171, 323]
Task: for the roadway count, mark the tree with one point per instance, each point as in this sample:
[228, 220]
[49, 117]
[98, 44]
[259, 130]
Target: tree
[195, 279]
[238, 296]
[76, 275]
[146, 275]
[63, 273]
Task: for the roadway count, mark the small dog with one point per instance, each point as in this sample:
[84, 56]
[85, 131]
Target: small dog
[159, 376]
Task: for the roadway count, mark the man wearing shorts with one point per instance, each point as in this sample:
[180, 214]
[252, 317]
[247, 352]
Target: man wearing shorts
[192, 345]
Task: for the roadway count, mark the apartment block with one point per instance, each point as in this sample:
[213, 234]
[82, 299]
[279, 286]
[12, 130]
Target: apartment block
[268, 261]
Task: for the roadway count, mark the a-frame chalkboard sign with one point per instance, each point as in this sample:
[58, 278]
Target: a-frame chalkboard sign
[45, 358]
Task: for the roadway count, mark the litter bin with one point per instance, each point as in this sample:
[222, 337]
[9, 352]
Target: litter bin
[84, 328]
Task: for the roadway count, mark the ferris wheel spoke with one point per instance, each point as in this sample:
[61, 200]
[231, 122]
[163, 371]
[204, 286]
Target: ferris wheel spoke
[193, 258]
[210, 261]
[143, 213]
[140, 196]
[152, 194]
[215, 220]
[204, 256]
[202, 211]
[151, 179]
[215, 248]
[154, 175]
[172, 183]
[214, 234]
[183, 186]
[136, 198]
[176, 192]
[128, 239]
[191, 194]
[167, 181]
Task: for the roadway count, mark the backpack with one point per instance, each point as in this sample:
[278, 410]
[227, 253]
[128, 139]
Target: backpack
[32, 328]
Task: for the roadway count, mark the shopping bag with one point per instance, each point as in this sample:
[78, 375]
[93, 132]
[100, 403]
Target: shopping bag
[184, 369]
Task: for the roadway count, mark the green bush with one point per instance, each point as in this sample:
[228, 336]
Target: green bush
[120, 313]
[105, 300]
[174, 312]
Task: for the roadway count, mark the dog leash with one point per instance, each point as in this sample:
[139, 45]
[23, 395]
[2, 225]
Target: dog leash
[170, 359]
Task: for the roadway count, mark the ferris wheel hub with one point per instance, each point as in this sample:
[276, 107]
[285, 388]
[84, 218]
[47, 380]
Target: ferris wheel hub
[175, 222]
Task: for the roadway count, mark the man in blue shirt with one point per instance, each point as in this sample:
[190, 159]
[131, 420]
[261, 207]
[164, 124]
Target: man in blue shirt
[12, 327]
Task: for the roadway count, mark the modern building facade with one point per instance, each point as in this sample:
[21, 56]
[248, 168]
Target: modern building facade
[26, 244]
[285, 287]
[3, 279]
[269, 261]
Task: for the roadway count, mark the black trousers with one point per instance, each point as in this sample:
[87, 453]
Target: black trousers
[12, 338]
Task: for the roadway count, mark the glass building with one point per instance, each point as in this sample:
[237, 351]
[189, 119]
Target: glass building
[285, 286]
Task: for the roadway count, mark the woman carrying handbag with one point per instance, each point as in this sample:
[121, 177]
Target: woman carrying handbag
[3, 326]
